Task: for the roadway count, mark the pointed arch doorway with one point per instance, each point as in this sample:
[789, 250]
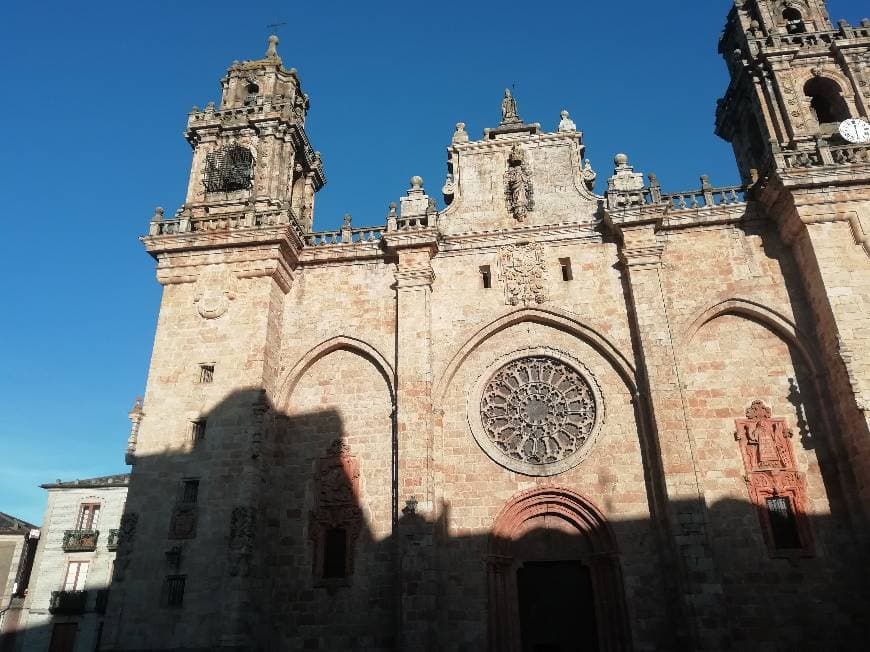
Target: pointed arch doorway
[553, 575]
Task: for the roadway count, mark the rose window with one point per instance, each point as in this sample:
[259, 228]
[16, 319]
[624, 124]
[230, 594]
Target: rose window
[538, 411]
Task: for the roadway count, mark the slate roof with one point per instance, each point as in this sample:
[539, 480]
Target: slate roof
[12, 525]
[120, 480]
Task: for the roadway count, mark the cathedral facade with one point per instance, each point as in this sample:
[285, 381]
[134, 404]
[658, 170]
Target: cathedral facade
[538, 419]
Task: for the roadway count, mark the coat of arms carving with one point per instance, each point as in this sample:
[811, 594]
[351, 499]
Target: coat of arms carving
[522, 271]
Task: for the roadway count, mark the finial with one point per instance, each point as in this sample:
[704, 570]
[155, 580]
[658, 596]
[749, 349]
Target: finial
[621, 160]
[566, 123]
[460, 135]
[158, 214]
[416, 183]
[346, 223]
[393, 207]
[272, 50]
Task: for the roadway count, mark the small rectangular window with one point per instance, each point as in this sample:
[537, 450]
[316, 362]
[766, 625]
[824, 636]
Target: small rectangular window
[89, 516]
[173, 591]
[206, 373]
[335, 553]
[567, 271]
[486, 277]
[189, 491]
[783, 525]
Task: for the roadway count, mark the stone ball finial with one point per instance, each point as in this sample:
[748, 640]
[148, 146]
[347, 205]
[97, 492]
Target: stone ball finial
[416, 183]
[564, 114]
[620, 160]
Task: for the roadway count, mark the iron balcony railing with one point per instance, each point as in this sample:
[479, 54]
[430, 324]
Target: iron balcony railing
[80, 540]
[68, 602]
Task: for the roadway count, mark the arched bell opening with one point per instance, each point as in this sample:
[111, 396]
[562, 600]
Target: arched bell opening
[794, 21]
[554, 578]
[826, 101]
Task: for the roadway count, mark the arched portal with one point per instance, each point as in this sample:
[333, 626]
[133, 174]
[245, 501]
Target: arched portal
[551, 550]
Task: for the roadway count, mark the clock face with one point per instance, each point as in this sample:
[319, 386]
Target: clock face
[855, 130]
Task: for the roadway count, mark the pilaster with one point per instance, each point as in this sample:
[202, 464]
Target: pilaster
[414, 410]
[699, 584]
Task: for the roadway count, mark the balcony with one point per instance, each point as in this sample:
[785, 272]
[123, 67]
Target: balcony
[80, 540]
[112, 541]
[68, 602]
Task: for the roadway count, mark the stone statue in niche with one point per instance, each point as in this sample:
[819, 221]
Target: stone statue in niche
[519, 192]
[509, 109]
[522, 271]
[764, 440]
[771, 473]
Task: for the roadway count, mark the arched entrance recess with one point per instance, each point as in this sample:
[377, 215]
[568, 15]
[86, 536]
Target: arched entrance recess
[555, 527]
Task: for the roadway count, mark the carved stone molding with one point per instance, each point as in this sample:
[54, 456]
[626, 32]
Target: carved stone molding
[241, 543]
[771, 473]
[215, 289]
[522, 272]
[336, 506]
[183, 522]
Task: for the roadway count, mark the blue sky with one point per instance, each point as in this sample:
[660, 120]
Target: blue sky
[94, 104]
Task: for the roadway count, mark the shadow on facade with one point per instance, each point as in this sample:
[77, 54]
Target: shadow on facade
[278, 547]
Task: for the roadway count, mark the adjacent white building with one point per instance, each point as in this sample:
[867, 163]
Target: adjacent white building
[72, 571]
[17, 547]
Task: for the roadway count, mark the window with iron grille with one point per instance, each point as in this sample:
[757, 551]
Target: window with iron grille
[189, 490]
[229, 169]
[206, 373]
[173, 591]
[783, 525]
[197, 430]
[335, 553]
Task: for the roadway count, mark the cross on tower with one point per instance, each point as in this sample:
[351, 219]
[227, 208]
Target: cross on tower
[274, 27]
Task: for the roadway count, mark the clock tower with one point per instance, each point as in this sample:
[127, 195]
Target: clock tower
[795, 78]
[796, 114]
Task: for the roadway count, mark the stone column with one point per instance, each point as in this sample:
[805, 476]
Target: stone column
[413, 485]
[685, 509]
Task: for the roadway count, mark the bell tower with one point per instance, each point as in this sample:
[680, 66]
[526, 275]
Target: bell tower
[252, 153]
[795, 78]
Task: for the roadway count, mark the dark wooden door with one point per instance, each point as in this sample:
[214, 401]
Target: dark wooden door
[557, 607]
[63, 637]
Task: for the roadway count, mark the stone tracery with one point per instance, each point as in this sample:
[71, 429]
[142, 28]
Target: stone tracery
[538, 410]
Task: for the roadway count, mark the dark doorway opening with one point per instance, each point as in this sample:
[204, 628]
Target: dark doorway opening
[557, 607]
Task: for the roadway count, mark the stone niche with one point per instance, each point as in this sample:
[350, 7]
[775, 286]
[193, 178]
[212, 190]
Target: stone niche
[554, 165]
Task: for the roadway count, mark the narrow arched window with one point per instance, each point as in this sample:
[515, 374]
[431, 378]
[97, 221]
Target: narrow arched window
[251, 92]
[794, 22]
[826, 100]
